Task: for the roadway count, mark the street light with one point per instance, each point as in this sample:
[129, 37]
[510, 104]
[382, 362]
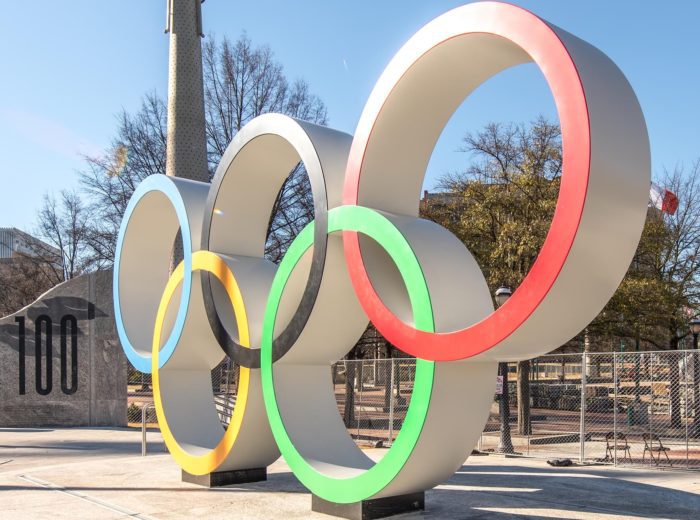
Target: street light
[695, 329]
[503, 293]
[505, 444]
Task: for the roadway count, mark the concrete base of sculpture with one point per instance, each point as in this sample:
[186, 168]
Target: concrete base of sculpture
[226, 478]
[370, 509]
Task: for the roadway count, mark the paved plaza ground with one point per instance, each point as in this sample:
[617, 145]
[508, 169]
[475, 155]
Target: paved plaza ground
[100, 474]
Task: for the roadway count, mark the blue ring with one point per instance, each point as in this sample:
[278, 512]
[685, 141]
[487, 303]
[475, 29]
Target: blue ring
[167, 186]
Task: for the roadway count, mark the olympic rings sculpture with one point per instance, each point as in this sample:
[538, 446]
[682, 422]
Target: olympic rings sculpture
[368, 256]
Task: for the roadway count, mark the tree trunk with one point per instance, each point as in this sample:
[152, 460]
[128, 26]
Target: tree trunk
[349, 410]
[674, 389]
[360, 376]
[388, 383]
[524, 426]
[563, 369]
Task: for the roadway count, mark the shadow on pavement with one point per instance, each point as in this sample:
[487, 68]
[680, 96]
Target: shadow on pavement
[518, 492]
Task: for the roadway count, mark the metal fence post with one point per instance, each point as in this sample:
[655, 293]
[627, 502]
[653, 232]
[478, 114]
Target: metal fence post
[651, 404]
[686, 384]
[582, 434]
[143, 429]
[358, 390]
[615, 383]
[391, 401]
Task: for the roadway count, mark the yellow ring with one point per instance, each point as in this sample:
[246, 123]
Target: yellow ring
[210, 461]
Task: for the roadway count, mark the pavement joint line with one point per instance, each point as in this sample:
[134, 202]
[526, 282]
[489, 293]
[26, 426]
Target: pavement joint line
[96, 501]
[61, 465]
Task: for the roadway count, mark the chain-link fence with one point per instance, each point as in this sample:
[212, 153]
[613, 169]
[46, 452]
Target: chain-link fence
[618, 408]
[655, 415]
[640, 408]
[141, 411]
[550, 427]
[373, 397]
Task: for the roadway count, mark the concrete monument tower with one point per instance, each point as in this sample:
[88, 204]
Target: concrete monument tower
[187, 145]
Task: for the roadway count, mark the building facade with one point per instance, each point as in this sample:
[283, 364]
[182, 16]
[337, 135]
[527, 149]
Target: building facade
[16, 243]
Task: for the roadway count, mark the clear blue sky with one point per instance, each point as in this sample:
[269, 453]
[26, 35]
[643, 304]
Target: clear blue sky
[70, 66]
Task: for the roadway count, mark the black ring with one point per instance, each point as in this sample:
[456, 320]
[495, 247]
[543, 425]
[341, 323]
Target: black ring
[308, 155]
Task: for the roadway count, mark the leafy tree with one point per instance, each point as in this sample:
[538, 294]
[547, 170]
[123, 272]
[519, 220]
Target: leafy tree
[662, 284]
[661, 290]
[501, 207]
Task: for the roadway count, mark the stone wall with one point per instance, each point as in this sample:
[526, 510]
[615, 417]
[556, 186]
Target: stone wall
[86, 385]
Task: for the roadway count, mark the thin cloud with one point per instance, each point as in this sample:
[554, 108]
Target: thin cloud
[48, 134]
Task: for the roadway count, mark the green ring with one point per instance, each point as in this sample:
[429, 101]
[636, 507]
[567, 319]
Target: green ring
[373, 480]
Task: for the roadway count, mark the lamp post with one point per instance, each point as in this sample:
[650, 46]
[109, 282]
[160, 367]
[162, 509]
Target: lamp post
[505, 444]
[695, 329]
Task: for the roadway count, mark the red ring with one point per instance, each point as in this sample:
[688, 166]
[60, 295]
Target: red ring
[540, 41]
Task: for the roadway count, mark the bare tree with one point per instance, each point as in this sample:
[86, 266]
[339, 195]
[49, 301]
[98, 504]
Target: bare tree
[63, 225]
[22, 280]
[241, 81]
[137, 151]
[41, 264]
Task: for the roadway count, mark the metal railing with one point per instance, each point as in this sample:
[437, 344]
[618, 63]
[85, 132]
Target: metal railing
[144, 426]
[141, 412]
[639, 408]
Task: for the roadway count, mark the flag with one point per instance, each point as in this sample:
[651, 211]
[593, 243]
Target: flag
[663, 199]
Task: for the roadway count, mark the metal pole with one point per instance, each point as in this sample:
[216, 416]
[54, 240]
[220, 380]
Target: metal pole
[391, 402]
[582, 434]
[143, 429]
[651, 404]
[637, 368]
[695, 431]
[505, 444]
[358, 379]
[686, 380]
[615, 407]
